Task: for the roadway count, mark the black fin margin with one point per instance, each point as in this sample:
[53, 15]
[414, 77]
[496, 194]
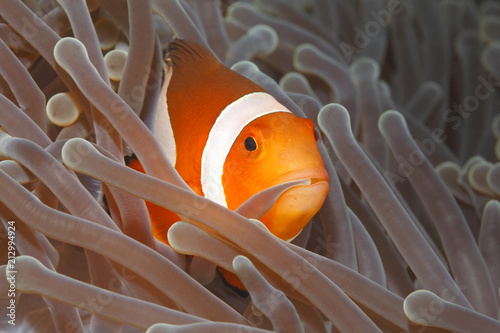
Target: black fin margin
[181, 50]
[127, 158]
[241, 293]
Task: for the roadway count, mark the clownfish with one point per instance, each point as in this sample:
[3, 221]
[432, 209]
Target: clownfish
[231, 139]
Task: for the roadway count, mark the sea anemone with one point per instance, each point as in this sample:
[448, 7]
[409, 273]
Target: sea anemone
[404, 93]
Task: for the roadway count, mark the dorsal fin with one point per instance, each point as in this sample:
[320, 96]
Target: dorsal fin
[181, 51]
[200, 88]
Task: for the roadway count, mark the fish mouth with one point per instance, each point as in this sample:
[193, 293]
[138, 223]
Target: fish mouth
[297, 205]
[316, 174]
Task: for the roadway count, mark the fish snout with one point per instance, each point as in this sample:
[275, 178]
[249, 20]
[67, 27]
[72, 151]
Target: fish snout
[296, 206]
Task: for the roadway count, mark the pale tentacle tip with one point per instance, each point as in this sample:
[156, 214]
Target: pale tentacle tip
[415, 303]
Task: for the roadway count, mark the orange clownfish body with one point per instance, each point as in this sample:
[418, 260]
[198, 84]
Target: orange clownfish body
[232, 140]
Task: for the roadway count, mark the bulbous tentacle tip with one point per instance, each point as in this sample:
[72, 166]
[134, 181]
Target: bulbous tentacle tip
[389, 119]
[67, 49]
[332, 116]
[415, 303]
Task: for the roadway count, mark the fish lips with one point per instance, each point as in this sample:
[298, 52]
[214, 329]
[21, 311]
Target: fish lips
[316, 174]
[297, 205]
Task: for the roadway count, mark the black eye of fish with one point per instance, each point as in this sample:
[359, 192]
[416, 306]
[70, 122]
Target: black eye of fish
[250, 144]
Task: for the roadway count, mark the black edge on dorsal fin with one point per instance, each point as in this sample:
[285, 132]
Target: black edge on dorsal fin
[180, 50]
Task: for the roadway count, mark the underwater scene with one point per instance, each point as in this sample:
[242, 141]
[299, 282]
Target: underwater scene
[309, 166]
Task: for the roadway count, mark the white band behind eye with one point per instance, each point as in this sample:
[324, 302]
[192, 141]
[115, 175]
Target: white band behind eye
[226, 129]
